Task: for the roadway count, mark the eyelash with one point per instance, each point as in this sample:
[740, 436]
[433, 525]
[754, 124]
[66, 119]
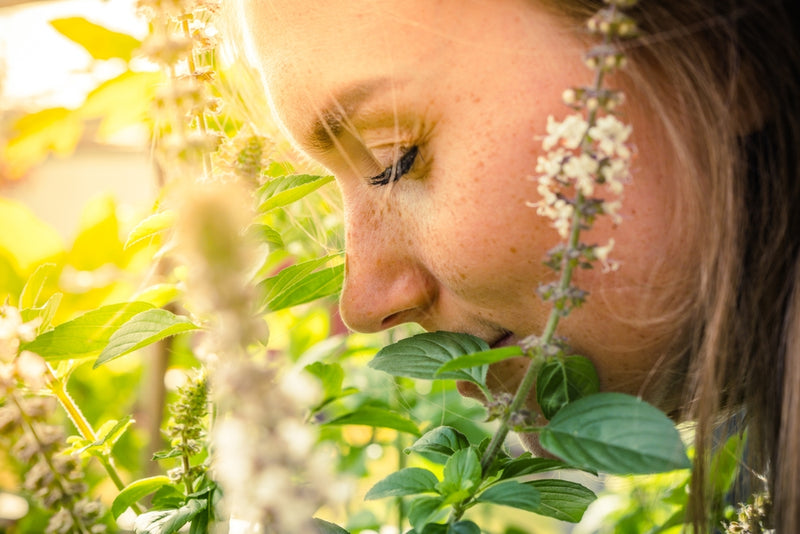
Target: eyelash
[396, 171]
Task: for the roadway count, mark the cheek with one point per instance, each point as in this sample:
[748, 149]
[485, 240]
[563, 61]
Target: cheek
[481, 233]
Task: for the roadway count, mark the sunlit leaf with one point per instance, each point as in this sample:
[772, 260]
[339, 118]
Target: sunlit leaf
[301, 283]
[422, 355]
[36, 135]
[477, 359]
[564, 380]
[615, 433]
[98, 241]
[100, 42]
[35, 285]
[562, 499]
[439, 444]
[109, 433]
[376, 417]
[407, 481]
[151, 227]
[266, 234]
[136, 89]
[87, 334]
[284, 190]
[141, 330]
[135, 491]
[31, 241]
[512, 493]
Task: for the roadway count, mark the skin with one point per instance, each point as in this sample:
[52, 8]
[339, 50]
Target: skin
[452, 245]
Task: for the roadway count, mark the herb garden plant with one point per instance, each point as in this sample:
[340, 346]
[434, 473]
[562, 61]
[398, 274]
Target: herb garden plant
[263, 435]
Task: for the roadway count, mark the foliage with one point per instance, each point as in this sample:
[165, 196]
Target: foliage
[297, 414]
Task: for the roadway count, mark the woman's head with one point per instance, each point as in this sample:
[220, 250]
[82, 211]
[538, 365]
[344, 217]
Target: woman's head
[459, 101]
[430, 113]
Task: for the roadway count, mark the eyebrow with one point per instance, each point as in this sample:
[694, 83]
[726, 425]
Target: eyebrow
[333, 118]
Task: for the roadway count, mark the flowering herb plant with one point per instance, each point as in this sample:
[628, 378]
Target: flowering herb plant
[248, 440]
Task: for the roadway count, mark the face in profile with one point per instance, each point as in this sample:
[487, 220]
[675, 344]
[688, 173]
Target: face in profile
[430, 114]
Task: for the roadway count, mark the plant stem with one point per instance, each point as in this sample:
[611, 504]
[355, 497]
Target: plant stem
[75, 414]
[568, 266]
[528, 380]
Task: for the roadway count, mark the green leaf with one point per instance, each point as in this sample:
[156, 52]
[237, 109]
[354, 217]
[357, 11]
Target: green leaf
[151, 227]
[376, 417]
[301, 283]
[141, 330]
[136, 89]
[86, 335]
[100, 42]
[615, 433]
[97, 242]
[284, 190]
[461, 475]
[109, 433]
[423, 510]
[407, 481]
[478, 359]
[135, 491]
[326, 527]
[439, 444]
[46, 312]
[32, 291]
[169, 521]
[527, 465]
[512, 493]
[463, 527]
[564, 380]
[562, 499]
[167, 497]
[422, 355]
[330, 374]
[266, 234]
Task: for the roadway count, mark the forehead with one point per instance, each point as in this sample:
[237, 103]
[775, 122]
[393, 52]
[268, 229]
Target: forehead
[309, 51]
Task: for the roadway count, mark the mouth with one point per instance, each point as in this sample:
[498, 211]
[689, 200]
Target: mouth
[506, 339]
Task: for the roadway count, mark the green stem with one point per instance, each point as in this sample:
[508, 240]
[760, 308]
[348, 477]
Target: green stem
[75, 414]
[568, 266]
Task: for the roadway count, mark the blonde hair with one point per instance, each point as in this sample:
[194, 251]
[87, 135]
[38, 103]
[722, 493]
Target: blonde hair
[723, 79]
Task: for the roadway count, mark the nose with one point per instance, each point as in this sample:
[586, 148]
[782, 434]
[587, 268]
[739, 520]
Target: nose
[386, 283]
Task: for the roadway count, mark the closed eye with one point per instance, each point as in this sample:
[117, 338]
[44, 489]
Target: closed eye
[396, 171]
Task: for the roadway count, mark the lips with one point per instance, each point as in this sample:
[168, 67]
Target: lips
[505, 340]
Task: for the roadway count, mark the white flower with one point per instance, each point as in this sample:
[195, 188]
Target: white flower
[582, 170]
[13, 331]
[611, 208]
[569, 133]
[616, 173]
[601, 253]
[610, 134]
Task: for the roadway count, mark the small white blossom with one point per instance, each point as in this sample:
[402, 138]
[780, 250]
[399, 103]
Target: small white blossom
[611, 134]
[582, 171]
[569, 133]
[602, 254]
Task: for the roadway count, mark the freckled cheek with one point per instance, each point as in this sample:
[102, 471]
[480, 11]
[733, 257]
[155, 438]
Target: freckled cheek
[495, 243]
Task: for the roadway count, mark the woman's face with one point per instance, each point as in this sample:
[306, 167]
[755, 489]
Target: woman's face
[455, 94]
